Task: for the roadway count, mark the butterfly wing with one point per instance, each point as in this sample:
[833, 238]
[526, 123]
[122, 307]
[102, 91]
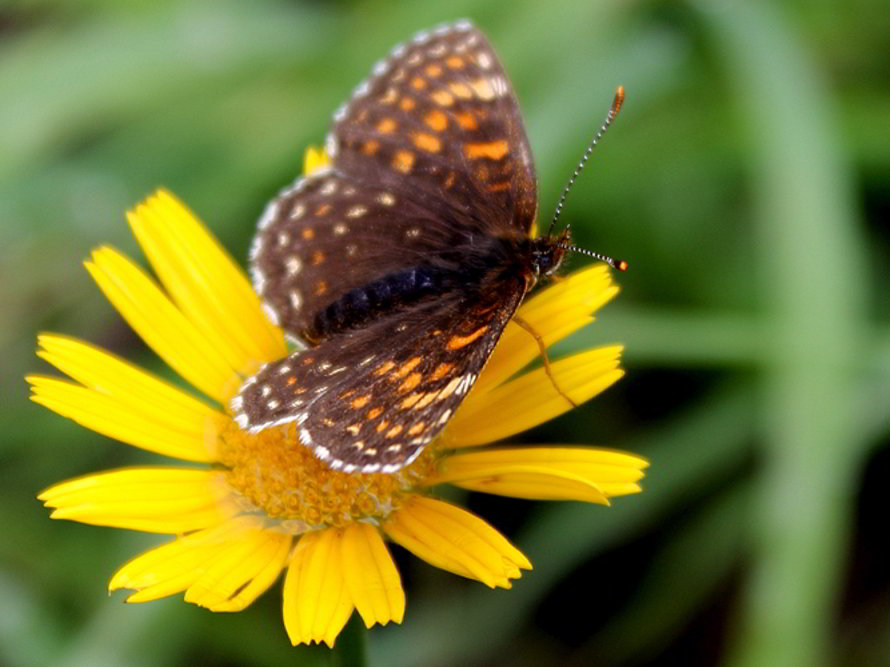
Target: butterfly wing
[329, 235]
[371, 407]
[438, 121]
[430, 154]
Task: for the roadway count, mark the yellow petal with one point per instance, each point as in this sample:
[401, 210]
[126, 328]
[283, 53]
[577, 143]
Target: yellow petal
[161, 324]
[371, 576]
[455, 540]
[315, 159]
[205, 283]
[554, 314]
[173, 567]
[293, 624]
[242, 572]
[160, 500]
[527, 481]
[546, 473]
[137, 394]
[531, 399]
[109, 415]
[316, 601]
[598, 465]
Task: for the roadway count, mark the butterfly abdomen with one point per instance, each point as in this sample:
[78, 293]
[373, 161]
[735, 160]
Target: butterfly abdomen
[462, 269]
[363, 304]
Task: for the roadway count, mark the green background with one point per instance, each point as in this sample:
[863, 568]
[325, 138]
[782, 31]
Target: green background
[746, 181]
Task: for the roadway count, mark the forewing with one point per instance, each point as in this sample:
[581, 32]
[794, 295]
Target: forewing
[438, 122]
[328, 235]
[371, 399]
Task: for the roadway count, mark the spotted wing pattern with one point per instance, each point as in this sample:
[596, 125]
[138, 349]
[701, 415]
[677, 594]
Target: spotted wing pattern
[328, 235]
[438, 121]
[371, 407]
[398, 264]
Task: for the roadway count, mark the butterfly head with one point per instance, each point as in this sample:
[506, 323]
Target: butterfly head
[548, 252]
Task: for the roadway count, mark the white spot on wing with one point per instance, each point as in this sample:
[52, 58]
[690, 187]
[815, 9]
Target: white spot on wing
[269, 214]
[296, 299]
[380, 67]
[271, 314]
[293, 265]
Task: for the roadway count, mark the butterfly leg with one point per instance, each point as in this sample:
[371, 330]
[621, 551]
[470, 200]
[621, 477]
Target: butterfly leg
[544, 355]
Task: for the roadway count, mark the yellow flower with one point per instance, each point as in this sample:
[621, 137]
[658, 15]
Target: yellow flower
[261, 505]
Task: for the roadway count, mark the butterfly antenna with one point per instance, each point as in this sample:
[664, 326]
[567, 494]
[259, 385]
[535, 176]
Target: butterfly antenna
[617, 264]
[617, 103]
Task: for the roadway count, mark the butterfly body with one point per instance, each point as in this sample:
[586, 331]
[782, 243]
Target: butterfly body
[399, 266]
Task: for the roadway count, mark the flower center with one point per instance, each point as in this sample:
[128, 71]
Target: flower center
[281, 477]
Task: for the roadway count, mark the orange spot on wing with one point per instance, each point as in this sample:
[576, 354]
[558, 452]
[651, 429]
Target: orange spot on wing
[408, 366]
[407, 104]
[426, 400]
[417, 428]
[467, 120]
[411, 400]
[441, 371]
[403, 161]
[450, 387]
[321, 287]
[410, 382]
[433, 70]
[461, 90]
[394, 431]
[373, 413]
[308, 233]
[493, 150]
[385, 368]
[436, 120]
[323, 210]
[427, 142]
[455, 62]
[443, 98]
[418, 82]
[483, 89]
[499, 187]
[381, 427]
[361, 402]
[291, 380]
[317, 257]
[371, 147]
[386, 126]
[457, 342]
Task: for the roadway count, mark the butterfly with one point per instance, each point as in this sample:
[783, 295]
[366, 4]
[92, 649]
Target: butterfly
[397, 268]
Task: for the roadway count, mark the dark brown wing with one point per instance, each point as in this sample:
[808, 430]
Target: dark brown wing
[371, 399]
[430, 155]
[329, 235]
[438, 122]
